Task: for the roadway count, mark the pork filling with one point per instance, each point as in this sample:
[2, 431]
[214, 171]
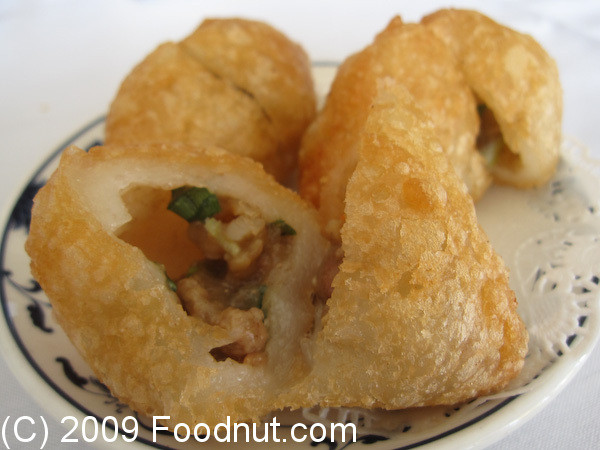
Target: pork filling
[227, 287]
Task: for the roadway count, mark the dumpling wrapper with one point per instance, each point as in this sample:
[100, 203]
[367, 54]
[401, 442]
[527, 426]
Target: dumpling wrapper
[114, 302]
[518, 81]
[421, 311]
[234, 83]
[409, 54]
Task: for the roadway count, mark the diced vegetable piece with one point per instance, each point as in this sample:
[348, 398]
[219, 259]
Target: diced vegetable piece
[261, 295]
[491, 150]
[215, 229]
[284, 228]
[171, 284]
[194, 203]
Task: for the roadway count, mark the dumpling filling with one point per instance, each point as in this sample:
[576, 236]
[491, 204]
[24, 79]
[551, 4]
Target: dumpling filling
[236, 248]
[490, 142]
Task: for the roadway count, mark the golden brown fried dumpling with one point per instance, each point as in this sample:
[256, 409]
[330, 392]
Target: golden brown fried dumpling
[421, 311]
[264, 63]
[411, 55]
[518, 86]
[228, 342]
[425, 67]
[238, 84]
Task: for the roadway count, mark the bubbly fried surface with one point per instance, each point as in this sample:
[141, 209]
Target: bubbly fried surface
[411, 55]
[114, 303]
[513, 76]
[425, 66]
[234, 83]
[421, 311]
[455, 64]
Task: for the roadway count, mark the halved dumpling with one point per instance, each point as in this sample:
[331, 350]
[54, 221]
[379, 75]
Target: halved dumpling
[519, 94]
[411, 55]
[421, 311]
[114, 233]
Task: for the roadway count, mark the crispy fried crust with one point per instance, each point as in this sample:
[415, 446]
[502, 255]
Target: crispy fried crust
[238, 84]
[114, 303]
[411, 55]
[514, 76]
[421, 311]
[426, 68]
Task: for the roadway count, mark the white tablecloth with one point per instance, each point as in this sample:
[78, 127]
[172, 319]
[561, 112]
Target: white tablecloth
[62, 60]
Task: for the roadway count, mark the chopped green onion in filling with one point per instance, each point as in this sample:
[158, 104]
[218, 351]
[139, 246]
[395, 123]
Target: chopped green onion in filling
[481, 109]
[227, 286]
[194, 203]
[261, 295]
[171, 284]
[284, 228]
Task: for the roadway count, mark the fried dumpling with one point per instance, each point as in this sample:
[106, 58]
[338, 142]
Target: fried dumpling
[413, 56]
[235, 83]
[519, 91]
[228, 341]
[421, 311]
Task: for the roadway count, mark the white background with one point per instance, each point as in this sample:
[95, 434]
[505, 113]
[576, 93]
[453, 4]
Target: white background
[61, 62]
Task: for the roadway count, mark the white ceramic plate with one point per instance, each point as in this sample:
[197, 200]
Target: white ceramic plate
[548, 237]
